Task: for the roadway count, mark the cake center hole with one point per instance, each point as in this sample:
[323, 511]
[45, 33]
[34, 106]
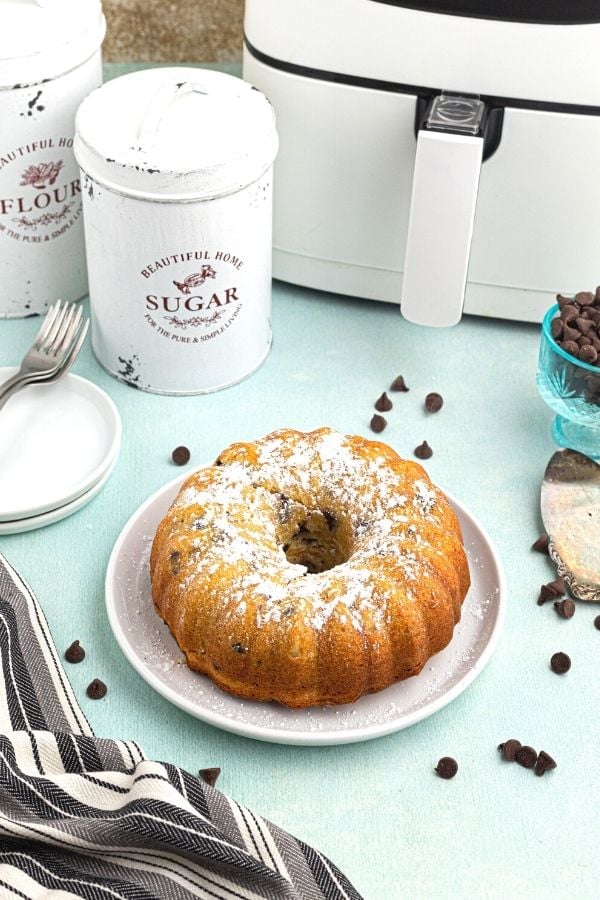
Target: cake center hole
[318, 543]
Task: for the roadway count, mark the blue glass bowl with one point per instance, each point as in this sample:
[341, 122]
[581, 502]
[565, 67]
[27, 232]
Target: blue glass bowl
[572, 389]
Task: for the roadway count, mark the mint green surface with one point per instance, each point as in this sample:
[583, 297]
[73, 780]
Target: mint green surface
[377, 809]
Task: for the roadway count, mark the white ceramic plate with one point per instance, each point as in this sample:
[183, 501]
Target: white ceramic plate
[55, 515]
[56, 442]
[149, 647]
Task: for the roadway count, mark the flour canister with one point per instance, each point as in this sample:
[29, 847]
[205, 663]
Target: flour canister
[176, 173]
[49, 61]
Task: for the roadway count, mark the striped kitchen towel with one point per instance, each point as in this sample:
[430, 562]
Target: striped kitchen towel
[90, 817]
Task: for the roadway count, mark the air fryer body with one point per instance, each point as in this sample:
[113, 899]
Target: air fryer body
[345, 78]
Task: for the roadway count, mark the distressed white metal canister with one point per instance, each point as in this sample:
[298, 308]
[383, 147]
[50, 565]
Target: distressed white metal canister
[49, 61]
[177, 173]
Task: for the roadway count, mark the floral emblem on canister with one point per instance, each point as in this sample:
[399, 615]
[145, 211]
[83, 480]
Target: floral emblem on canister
[42, 175]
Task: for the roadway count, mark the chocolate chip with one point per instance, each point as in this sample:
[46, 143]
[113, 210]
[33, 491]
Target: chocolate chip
[563, 301]
[180, 456]
[558, 586]
[423, 451]
[446, 767]
[597, 623]
[588, 354]
[378, 423]
[434, 402]
[565, 608]
[331, 520]
[75, 653]
[398, 384]
[509, 749]
[556, 328]
[569, 313]
[175, 562]
[526, 757]
[96, 689]
[560, 663]
[571, 348]
[551, 591]
[584, 325]
[544, 763]
[570, 333]
[541, 545]
[592, 314]
[383, 403]
[209, 776]
[584, 298]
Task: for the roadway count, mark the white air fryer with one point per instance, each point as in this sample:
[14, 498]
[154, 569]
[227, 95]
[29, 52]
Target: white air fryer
[440, 155]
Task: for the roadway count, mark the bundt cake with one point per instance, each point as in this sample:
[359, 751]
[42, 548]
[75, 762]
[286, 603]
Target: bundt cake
[309, 568]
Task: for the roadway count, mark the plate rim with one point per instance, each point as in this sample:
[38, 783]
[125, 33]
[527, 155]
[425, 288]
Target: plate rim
[278, 735]
[95, 475]
[51, 516]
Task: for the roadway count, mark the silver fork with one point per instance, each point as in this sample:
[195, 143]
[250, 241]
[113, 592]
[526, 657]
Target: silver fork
[55, 346]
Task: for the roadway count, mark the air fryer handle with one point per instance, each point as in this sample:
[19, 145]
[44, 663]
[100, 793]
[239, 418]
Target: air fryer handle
[442, 212]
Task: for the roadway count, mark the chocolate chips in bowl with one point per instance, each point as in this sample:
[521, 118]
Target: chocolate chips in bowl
[576, 328]
[568, 377]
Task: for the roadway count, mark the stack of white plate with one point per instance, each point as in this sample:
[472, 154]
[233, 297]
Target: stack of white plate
[58, 446]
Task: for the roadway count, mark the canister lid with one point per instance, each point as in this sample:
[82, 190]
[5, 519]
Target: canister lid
[176, 134]
[42, 39]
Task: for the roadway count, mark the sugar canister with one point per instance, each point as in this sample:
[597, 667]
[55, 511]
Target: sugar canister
[49, 61]
[177, 173]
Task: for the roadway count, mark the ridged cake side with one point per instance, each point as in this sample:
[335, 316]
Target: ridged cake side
[309, 568]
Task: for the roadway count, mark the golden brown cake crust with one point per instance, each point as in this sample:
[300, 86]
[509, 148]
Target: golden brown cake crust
[309, 569]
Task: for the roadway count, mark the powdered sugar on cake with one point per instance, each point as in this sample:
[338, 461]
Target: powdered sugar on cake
[239, 508]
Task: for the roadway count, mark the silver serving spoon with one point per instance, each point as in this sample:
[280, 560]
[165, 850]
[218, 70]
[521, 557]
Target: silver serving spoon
[570, 505]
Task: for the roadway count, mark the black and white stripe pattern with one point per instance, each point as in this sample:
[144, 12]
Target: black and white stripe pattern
[87, 817]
